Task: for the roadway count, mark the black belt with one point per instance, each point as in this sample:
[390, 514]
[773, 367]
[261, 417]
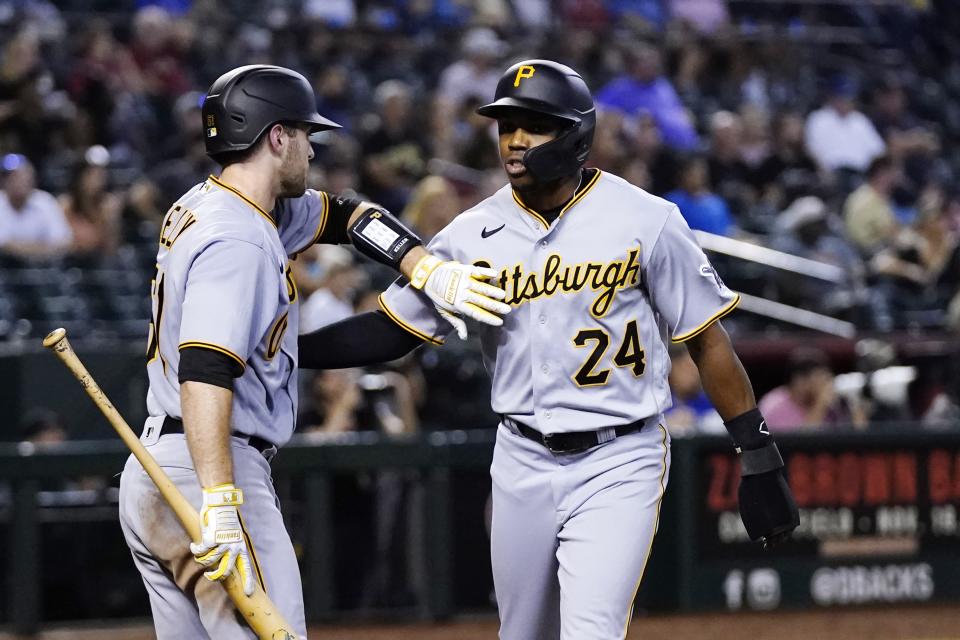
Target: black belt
[575, 441]
[174, 425]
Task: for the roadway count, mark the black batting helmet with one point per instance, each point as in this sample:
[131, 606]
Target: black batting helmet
[243, 103]
[555, 90]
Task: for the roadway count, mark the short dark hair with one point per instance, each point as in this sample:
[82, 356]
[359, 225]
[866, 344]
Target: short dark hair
[804, 360]
[880, 163]
[37, 420]
[227, 158]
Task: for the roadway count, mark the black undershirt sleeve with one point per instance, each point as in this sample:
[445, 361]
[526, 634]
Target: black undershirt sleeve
[338, 217]
[358, 341]
[208, 366]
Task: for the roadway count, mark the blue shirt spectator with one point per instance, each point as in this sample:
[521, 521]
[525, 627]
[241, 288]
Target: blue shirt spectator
[701, 208]
[645, 89]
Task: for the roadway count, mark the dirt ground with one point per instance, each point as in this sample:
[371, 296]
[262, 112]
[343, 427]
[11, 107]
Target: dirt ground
[940, 622]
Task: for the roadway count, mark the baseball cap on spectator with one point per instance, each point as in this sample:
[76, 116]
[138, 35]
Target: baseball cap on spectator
[97, 156]
[482, 41]
[13, 161]
[842, 85]
[801, 212]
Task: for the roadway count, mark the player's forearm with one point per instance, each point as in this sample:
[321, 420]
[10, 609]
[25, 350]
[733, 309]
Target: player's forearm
[410, 261]
[723, 377]
[206, 419]
[358, 341]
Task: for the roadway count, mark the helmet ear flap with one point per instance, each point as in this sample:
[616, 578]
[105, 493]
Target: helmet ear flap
[563, 156]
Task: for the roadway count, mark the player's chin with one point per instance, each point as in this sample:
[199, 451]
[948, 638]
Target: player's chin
[520, 180]
[293, 188]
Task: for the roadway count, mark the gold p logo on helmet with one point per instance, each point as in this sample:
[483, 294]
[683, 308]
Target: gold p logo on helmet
[525, 71]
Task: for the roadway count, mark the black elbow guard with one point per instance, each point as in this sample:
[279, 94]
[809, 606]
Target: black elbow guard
[379, 235]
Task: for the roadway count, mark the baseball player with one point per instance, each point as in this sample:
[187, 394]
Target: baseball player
[602, 277]
[222, 351]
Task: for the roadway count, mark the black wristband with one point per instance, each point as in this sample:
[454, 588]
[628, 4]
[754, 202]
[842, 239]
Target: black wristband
[749, 430]
[754, 462]
[379, 235]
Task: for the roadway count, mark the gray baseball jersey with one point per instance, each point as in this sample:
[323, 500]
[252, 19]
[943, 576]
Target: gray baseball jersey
[223, 282]
[597, 296]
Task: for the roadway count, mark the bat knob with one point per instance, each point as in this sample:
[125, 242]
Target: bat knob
[54, 337]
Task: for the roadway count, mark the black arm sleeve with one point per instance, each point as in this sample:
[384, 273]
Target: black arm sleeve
[335, 229]
[208, 366]
[358, 341]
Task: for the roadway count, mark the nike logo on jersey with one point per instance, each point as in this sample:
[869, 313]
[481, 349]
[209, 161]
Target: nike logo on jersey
[487, 234]
[763, 428]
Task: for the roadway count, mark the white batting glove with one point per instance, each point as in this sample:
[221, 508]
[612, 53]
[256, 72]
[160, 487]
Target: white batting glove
[222, 540]
[459, 290]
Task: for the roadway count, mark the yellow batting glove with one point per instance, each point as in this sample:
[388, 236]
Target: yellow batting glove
[458, 290]
[223, 543]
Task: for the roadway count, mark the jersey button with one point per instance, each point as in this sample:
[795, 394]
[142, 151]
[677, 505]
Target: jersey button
[543, 243]
[544, 368]
[547, 414]
[543, 319]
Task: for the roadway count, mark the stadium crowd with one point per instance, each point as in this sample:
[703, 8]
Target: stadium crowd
[826, 131]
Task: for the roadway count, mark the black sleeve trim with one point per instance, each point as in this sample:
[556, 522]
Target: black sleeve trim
[198, 364]
[335, 228]
[358, 341]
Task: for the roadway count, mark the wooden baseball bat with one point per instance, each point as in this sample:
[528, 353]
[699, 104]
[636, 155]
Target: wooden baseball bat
[259, 612]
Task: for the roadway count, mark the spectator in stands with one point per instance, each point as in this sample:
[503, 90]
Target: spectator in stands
[433, 205]
[142, 214]
[340, 278]
[808, 399]
[807, 229]
[937, 243]
[646, 145]
[912, 144]
[102, 72]
[837, 135]
[644, 88]
[868, 211]
[395, 149]
[92, 210]
[335, 94]
[333, 404]
[701, 208]
[707, 16]
[789, 167]
[43, 426]
[27, 115]
[475, 75]
[471, 136]
[158, 53]
[609, 150]
[32, 223]
[692, 411]
[728, 171]
[179, 173]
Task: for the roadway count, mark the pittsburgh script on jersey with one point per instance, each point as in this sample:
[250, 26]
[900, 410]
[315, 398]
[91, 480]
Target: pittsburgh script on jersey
[556, 276]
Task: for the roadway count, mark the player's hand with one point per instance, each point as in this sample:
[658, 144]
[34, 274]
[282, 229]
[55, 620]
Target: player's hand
[223, 544]
[458, 290]
[767, 507]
